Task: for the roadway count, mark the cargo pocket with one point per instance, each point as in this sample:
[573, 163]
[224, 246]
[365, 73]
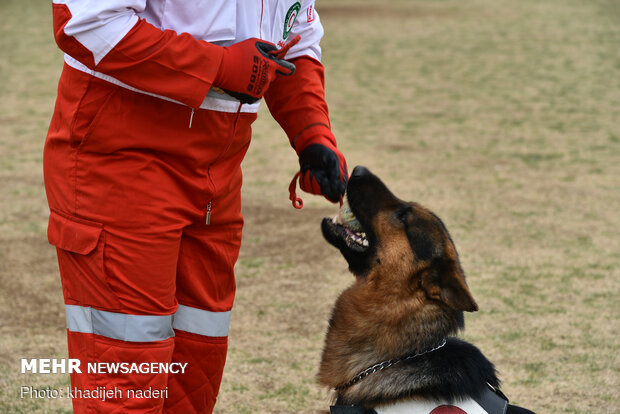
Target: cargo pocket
[80, 245]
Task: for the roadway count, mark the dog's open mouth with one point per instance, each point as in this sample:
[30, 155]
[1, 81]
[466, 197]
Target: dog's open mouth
[348, 227]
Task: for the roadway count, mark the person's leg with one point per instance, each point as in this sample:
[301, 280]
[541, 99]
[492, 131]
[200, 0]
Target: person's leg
[124, 176]
[205, 290]
[206, 285]
[119, 303]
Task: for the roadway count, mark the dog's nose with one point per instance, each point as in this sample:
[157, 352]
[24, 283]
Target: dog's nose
[360, 171]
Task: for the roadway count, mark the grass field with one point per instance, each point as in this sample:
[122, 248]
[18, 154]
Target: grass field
[501, 116]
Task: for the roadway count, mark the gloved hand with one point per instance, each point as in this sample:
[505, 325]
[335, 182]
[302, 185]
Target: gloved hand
[247, 68]
[323, 167]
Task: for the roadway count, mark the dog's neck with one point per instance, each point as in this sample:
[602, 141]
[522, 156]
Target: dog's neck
[350, 348]
[455, 371]
[388, 364]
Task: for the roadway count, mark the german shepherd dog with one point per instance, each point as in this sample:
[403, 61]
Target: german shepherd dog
[390, 346]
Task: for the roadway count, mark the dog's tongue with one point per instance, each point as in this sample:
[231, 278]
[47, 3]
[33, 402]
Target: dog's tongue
[346, 217]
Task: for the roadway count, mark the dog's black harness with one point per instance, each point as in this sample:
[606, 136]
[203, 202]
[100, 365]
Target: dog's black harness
[350, 409]
[491, 400]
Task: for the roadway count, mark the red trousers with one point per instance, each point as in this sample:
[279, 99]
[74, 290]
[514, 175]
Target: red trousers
[145, 279]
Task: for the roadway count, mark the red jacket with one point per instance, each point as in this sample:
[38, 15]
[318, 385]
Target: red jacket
[172, 50]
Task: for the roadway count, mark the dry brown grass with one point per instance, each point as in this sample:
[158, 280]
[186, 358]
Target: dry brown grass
[502, 117]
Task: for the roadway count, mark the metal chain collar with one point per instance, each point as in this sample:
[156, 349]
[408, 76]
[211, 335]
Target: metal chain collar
[386, 364]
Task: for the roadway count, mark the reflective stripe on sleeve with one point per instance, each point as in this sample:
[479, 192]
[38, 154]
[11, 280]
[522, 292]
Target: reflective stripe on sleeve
[201, 322]
[129, 328]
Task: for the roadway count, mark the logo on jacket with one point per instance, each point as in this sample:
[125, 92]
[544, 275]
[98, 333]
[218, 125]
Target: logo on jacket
[291, 16]
[310, 14]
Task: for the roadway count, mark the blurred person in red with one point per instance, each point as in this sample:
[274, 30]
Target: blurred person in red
[142, 173]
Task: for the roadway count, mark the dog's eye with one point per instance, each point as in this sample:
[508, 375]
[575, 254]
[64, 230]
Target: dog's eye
[403, 214]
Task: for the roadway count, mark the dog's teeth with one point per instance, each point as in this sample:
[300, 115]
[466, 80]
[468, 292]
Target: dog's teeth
[365, 243]
[337, 220]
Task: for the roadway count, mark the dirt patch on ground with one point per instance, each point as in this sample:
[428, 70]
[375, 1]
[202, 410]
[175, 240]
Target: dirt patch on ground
[284, 232]
[30, 285]
[387, 11]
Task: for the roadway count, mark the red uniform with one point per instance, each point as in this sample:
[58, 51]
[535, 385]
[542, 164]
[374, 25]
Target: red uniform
[142, 173]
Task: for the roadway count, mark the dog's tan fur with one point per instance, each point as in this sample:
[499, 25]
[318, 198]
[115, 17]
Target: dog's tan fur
[399, 306]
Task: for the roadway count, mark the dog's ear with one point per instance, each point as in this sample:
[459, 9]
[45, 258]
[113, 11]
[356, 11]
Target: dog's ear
[445, 282]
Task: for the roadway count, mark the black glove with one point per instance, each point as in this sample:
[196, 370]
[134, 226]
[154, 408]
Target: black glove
[323, 170]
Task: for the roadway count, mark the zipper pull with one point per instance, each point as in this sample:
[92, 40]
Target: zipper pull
[209, 213]
[191, 118]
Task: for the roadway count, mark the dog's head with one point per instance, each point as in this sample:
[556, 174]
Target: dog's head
[398, 243]
[410, 289]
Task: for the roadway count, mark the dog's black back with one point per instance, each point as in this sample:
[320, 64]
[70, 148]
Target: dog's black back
[455, 372]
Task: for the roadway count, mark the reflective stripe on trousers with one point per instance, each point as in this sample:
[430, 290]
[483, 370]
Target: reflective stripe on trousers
[146, 328]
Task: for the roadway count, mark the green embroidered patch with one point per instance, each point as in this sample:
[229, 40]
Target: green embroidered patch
[291, 16]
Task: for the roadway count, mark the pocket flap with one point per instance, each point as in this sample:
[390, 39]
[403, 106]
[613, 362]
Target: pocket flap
[73, 234]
